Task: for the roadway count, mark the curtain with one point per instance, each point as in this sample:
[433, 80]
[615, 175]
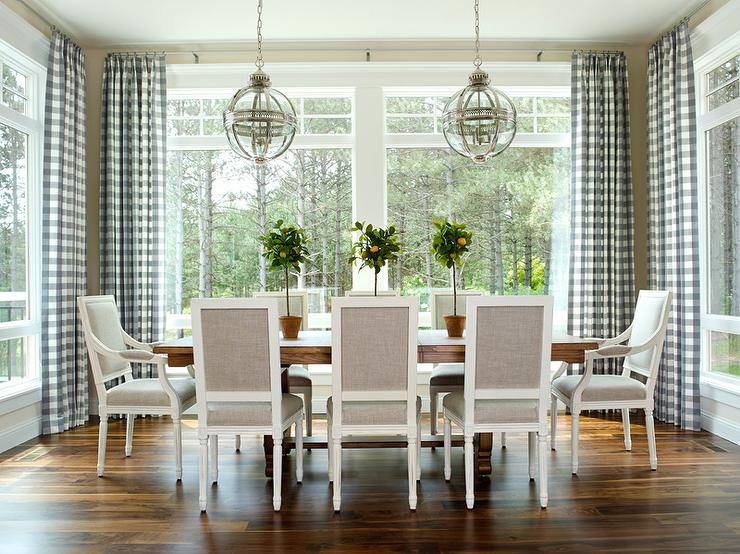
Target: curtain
[132, 192]
[64, 385]
[601, 283]
[673, 219]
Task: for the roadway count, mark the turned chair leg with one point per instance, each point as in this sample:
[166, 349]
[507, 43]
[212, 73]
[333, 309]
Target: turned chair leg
[129, 434]
[553, 422]
[214, 458]
[308, 405]
[238, 443]
[626, 424]
[574, 440]
[277, 471]
[503, 440]
[532, 448]
[448, 448]
[469, 471]
[178, 448]
[337, 467]
[299, 449]
[102, 439]
[652, 449]
[411, 453]
[543, 468]
[203, 474]
[433, 412]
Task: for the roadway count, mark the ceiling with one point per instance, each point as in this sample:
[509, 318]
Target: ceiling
[131, 22]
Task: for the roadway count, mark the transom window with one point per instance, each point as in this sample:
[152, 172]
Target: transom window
[14, 87]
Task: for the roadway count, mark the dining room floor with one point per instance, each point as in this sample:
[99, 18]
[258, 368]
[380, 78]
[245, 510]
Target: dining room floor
[52, 500]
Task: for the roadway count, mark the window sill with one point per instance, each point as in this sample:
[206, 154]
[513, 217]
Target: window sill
[725, 390]
[17, 396]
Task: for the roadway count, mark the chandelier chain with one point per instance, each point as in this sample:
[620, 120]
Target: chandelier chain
[477, 61]
[259, 62]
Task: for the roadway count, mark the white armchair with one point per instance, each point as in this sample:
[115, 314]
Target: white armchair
[110, 358]
[641, 355]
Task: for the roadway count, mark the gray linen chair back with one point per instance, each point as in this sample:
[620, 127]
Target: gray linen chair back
[236, 349]
[441, 304]
[651, 314]
[105, 325]
[298, 304]
[507, 353]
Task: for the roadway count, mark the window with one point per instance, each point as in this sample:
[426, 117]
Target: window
[218, 204]
[20, 174]
[509, 204]
[719, 129]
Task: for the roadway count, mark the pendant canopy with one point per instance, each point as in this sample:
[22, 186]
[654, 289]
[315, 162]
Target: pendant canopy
[260, 121]
[479, 121]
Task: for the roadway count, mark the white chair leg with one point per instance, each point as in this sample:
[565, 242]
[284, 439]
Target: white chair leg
[238, 443]
[652, 448]
[214, 458]
[574, 441]
[553, 422]
[203, 474]
[277, 471]
[469, 469]
[129, 434]
[543, 469]
[102, 439]
[433, 412]
[626, 424]
[411, 452]
[448, 448]
[532, 447]
[329, 448]
[418, 447]
[178, 448]
[308, 406]
[299, 449]
[503, 440]
[337, 467]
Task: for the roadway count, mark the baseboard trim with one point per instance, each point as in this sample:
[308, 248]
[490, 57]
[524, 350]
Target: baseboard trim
[721, 427]
[20, 433]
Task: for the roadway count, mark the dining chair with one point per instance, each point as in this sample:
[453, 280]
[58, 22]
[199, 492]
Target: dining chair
[507, 380]
[111, 358]
[447, 377]
[299, 378]
[236, 348]
[644, 337]
[373, 358]
[372, 293]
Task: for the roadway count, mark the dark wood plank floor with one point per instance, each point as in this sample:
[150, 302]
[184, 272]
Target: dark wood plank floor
[52, 501]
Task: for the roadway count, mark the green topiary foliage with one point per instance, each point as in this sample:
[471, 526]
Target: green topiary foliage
[451, 242]
[284, 247]
[375, 247]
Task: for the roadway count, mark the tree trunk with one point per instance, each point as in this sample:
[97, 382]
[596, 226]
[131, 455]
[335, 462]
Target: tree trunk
[514, 265]
[528, 260]
[261, 174]
[15, 239]
[337, 238]
[427, 251]
[498, 256]
[179, 235]
[205, 227]
[398, 280]
[301, 215]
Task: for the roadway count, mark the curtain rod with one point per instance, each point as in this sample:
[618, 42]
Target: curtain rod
[37, 14]
[687, 17]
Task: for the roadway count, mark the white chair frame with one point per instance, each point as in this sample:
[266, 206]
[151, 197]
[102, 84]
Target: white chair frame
[411, 429]
[537, 431]
[305, 392]
[141, 353]
[613, 348]
[436, 391]
[208, 432]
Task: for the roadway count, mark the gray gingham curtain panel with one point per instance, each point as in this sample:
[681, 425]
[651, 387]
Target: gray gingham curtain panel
[64, 256]
[673, 235]
[601, 282]
[132, 189]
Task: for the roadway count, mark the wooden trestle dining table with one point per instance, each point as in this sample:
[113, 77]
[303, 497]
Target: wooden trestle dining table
[314, 347]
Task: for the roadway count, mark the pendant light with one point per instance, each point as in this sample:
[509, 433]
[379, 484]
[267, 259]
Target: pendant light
[260, 121]
[479, 121]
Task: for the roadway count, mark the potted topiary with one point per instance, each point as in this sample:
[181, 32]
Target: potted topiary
[284, 247]
[450, 243]
[375, 247]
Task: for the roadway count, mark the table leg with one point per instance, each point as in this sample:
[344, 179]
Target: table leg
[484, 446]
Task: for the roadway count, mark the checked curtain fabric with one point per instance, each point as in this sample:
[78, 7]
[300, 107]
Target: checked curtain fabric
[673, 219]
[601, 288]
[132, 191]
[64, 254]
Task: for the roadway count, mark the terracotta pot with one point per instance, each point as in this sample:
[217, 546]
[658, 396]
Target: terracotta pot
[455, 325]
[290, 325]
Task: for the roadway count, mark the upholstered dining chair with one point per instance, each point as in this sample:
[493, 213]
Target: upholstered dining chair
[299, 378]
[448, 377]
[371, 293]
[374, 353]
[641, 355]
[507, 380]
[111, 358]
[236, 348]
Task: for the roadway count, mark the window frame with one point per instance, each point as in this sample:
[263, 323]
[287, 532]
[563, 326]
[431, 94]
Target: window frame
[706, 120]
[32, 125]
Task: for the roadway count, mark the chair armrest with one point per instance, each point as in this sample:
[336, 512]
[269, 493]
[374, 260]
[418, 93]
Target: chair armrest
[137, 356]
[138, 345]
[560, 371]
[612, 341]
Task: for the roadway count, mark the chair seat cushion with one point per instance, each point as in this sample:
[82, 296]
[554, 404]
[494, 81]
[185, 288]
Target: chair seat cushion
[373, 413]
[298, 376]
[251, 414]
[149, 392]
[493, 411]
[448, 375]
[601, 387]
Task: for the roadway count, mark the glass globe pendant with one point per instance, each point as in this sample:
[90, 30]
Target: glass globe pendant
[479, 121]
[260, 121]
